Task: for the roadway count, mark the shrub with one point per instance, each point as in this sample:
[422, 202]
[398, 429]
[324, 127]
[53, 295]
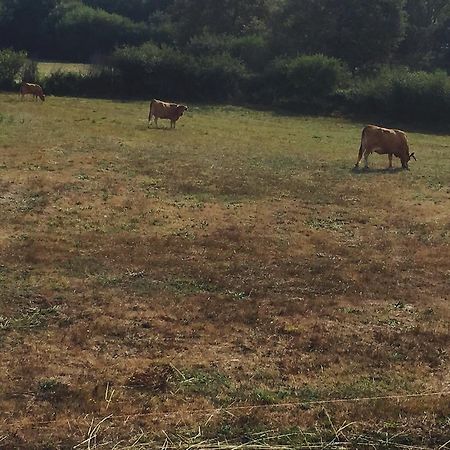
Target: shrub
[305, 83]
[219, 77]
[11, 67]
[163, 72]
[30, 72]
[253, 50]
[158, 71]
[83, 32]
[400, 94]
[207, 44]
[99, 84]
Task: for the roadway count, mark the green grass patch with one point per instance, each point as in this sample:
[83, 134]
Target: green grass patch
[46, 68]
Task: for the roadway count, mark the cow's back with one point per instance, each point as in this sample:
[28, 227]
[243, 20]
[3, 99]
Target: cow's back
[31, 88]
[383, 138]
[162, 110]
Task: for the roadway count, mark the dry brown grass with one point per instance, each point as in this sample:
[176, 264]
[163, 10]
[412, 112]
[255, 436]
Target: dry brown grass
[158, 282]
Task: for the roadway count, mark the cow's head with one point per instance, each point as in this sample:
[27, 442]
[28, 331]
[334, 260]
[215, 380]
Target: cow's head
[42, 97]
[181, 109]
[406, 160]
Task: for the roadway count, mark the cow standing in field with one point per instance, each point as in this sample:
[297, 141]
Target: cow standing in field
[164, 110]
[384, 141]
[33, 89]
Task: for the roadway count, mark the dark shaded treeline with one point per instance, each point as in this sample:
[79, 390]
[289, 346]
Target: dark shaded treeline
[362, 33]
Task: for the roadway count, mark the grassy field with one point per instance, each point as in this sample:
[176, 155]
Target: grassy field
[46, 68]
[218, 283]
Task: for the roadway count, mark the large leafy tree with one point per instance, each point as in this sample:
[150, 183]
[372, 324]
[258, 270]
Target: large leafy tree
[441, 42]
[82, 31]
[137, 10]
[427, 39]
[237, 17]
[22, 23]
[361, 32]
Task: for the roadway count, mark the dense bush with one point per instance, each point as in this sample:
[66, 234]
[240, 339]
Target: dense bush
[82, 32]
[403, 95]
[362, 33]
[153, 71]
[219, 77]
[305, 83]
[12, 65]
[30, 73]
[96, 84]
[206, 44]
[164, 72]
[251, 50]
[359, 32]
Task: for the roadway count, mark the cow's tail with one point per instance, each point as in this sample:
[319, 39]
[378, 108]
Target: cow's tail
[361, 149]
[150, 112]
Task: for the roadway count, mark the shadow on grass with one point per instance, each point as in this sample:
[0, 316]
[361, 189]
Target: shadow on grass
[368, 171]
[160, 128]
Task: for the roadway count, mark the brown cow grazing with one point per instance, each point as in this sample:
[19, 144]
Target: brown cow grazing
[384, 141]
[164, 110]
[34, 89]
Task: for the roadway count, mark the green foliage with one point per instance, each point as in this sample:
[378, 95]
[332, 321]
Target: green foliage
[360, 32]
[219, 77]
[98, 84]
[136, 10]
[23, 24]
[427, 38]
[209, 44]
[252, 49]
[441, 48]
[82, 31]
[164, 72]
[157, 71]
[306, 82]
[255, 51]
[403, 95]
[237, 17]
[30, 72]
[11, 66]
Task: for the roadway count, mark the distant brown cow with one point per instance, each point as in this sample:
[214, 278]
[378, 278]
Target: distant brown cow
[33, 89]
[384, 141]
[164, 110]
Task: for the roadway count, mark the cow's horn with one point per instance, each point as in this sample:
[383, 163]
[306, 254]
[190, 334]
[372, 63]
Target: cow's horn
[412, 156]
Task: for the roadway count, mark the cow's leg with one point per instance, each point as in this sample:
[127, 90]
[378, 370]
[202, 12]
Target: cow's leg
[390, 160]
[156, 121]
[360, 154]
[172, 124]
[366, 158]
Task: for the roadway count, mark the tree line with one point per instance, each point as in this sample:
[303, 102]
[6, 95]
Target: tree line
[379, 57]
[362, 33]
